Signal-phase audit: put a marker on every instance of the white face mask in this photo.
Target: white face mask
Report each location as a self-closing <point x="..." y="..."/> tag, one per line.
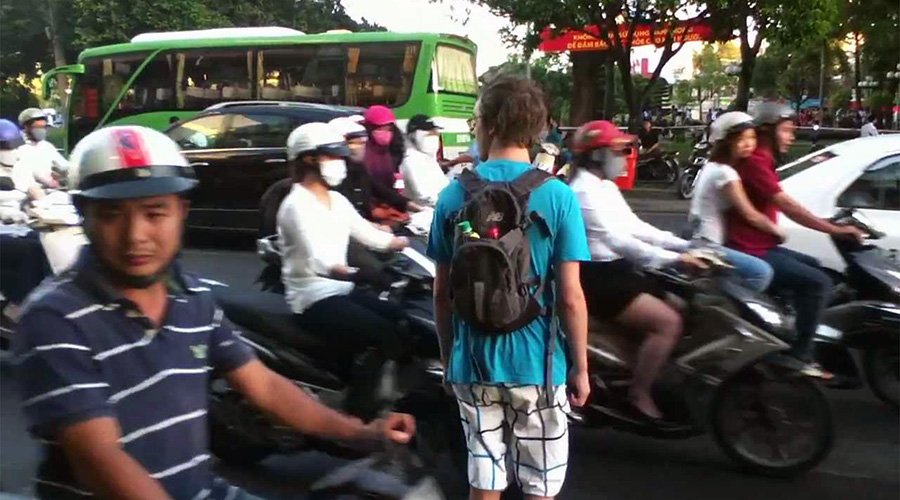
<point x="427" y="143"/>
<point x="333" y="171"/>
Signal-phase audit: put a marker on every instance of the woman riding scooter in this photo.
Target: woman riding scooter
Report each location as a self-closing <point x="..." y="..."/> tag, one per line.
<point x="620" y="244"/>
<point x="315" y="225"/>
<point x="719" y="190"/>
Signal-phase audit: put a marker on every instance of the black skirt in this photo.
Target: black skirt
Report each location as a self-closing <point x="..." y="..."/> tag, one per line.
<point x="609" y="287"/>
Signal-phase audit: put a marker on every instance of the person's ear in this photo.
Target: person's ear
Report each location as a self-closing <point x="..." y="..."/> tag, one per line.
<point x="185" y="204"/>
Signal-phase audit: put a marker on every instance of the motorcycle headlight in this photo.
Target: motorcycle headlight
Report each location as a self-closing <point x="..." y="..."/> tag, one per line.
<point x="769" y="316"/>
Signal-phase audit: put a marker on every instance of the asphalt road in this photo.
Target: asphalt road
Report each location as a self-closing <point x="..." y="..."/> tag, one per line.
<point x="864" y="465"/>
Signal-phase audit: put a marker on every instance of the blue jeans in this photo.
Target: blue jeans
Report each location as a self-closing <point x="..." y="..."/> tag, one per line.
<point x="810" y="286"/>
<point x="754" y="272"/>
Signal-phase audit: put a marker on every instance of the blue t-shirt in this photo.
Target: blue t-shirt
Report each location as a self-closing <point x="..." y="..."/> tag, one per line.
<point x="518" y="357"/>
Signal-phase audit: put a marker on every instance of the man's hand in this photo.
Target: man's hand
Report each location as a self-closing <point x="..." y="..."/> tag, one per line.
<point x="691" y="263"/>
<point x="395" y="427"/>
<point x="414" y="207"/>
<point x="853" y="232"/>
<point x="579" y="388"/>
<point x="399" y="243"/>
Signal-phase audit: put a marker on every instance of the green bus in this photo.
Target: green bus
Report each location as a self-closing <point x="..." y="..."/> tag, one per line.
<point x="161" y="77"/>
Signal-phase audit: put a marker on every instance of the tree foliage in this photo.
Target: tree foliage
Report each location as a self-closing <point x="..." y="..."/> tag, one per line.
<point x="553" y="77"/>
<point x="606" y="15"/>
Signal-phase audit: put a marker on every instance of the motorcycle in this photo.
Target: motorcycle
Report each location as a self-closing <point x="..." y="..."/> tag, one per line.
<point x="698" y="158"/>
<point x="863" y="317"/>
<point x="663" y="167"/>
<point x="726" y="376"/>
<point x="241" y="435"/>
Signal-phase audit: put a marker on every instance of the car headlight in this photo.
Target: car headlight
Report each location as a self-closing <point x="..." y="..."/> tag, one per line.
<point x="767" y="314"/>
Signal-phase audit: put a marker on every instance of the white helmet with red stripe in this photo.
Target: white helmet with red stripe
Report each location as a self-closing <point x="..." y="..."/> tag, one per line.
<point x="129" y="162"/>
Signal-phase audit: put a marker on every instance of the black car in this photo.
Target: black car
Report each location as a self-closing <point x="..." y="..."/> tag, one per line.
<point x="238" y="150"/>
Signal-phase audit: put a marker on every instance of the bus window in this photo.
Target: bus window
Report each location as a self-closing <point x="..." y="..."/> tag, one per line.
<point x="455" y="70"/>
<point x="208" y="77"/>
<point x="380" y="73"/>
<point x="303" y="73"/>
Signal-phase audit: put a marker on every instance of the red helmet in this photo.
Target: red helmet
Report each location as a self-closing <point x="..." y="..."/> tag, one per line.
<point x="598" y="134"/>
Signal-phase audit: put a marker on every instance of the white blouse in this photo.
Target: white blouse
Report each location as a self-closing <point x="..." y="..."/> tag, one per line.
<point x="314" y="240"/>
<point x="615" y="232"/>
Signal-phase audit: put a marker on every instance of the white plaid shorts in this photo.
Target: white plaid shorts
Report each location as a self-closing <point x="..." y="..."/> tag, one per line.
<point x="512" y="431"/>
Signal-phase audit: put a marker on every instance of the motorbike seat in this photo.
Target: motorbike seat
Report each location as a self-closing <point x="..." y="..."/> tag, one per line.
<point x="266" y="314"/>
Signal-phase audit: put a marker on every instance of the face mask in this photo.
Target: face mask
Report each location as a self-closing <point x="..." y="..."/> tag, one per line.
<point x="38" y="134"/>
<point x="427" y="143"/>
<point x="382" y="137"/>
<point x="613" y="165"/>
<point x="333" y="171"/>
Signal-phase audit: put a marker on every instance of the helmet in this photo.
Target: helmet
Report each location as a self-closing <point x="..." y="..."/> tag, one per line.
<point x="348" y="128"/>
<point x="729" y="123"/>
<point x="316" y="138"/>
<point x="31" y="114"/>
<point x="772" y="113"/>
<point x="378" y="116"/>
<point x="421" y="122"/>
<point x="598" y="134"/>
<point x="10" y="135"/>
<point x="129" y="162"/>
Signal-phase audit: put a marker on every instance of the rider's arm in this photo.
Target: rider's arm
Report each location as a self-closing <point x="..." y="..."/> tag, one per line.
<point x="66" y="399"/>
<point x="799" y="214"/>
<point x="288" y="404"/>
<point x="387" y="194"/>
<point x="442" y="313"/>
<point x="609" y="219"/>
<point x="99" y="462"/>
<point x="363" y="231"/>
<point x="734" y="190"/>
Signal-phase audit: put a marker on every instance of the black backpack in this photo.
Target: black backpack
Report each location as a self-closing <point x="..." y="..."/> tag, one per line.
<point x="491" y="284"/>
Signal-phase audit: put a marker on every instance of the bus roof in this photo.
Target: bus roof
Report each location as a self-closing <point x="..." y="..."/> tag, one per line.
<point x="260" y="37"/>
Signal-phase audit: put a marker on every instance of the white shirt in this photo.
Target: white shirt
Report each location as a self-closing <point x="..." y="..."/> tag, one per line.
<point x="314" y="240"/>
<point x="37" y="160"/>
<point x="615" y="232"/>
<point x="423" y="179"/>
<point x="868" y="130"/>
<point x="710" y="203"/>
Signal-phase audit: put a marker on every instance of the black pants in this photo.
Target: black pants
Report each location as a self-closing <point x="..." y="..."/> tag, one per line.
<point x="23" y="266"/>
<point x="373" y="330"/>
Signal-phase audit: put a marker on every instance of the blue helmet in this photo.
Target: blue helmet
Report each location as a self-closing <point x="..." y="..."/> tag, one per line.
<point x="10" y="135"/>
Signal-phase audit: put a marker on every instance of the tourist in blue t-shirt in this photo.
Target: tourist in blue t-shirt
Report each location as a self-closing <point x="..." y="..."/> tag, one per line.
<point x="500" y="380"/>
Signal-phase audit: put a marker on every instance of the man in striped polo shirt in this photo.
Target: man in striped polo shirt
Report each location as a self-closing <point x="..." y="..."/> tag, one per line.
<point x="115" y="355"/>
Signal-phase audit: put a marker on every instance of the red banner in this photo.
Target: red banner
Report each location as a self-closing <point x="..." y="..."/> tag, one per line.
<point x="590" y="39"/>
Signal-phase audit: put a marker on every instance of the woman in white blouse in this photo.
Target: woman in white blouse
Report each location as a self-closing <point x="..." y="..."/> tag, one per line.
<point x="315" y="225"/>
<point x="620" y="244"/>
<point x="719" y="191"/>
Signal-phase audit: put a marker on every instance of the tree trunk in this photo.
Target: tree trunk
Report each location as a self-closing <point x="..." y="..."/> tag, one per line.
<point x="59" y="54"/>
<point x="742" y="100"/>
<point x="609" y="94"/>
<point x="585" y="75"/>
<point x="856" y="71"/>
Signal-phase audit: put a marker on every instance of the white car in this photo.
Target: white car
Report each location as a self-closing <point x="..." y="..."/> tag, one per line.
<point x="861" y="173"/>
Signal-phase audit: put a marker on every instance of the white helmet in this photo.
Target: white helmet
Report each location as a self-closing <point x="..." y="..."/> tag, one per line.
<point x="729" y="123"/>
<point x="129" y="162"/>
<point x="29" y="115"/>
<point x="316" y="138"/>
<point x="350" y="129"/>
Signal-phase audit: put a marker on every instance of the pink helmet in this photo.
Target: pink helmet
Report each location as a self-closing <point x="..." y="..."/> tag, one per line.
<point x="378" y="116"/>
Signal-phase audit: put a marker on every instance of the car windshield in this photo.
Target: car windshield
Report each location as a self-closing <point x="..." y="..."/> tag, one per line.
<point x="803" y="164"/>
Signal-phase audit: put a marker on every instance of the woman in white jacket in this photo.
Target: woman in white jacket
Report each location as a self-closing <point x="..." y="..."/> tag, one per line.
<point x="620" y="243"/>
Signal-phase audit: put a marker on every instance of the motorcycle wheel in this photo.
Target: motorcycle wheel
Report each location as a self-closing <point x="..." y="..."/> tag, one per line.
<point x="670" y="174"/>
<point x="881" y="365"/>
<point x="772" y="422"/>
<point x="686" y="184"/>
<point x="234" y="432"/>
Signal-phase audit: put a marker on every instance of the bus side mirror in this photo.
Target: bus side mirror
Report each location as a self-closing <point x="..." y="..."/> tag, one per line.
<point x="50" y="76"/>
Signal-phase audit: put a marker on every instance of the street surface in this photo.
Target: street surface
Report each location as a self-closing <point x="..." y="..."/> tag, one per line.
<point x="864" y="465"/>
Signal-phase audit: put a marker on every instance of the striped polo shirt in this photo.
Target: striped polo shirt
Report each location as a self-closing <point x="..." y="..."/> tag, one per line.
<point x="85" y="351"/>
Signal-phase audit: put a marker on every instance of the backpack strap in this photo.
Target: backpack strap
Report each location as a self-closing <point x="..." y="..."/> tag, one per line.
<point x="471" y="181"/>
<point x="532" y="179"/>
